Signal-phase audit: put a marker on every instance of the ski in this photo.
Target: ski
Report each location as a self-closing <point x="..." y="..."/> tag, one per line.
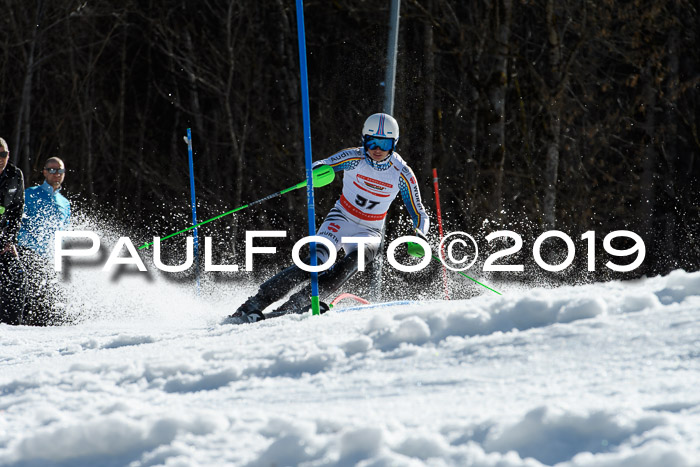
<point x="233" y="319"/>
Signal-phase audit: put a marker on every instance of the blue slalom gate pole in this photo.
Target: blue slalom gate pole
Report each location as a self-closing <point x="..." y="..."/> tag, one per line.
<point x="301" y="33"/>
<point x="194" y="207"/>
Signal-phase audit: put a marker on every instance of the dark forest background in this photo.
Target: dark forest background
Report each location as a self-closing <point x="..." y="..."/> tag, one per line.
<point x="572" y="115"/>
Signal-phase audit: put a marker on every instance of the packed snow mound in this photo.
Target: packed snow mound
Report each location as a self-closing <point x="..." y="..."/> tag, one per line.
<point x="422" y="322"/>
<point x="596" y="375"/>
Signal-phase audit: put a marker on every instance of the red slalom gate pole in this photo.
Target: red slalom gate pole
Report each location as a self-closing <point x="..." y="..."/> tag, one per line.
<point x="439" y="216"/>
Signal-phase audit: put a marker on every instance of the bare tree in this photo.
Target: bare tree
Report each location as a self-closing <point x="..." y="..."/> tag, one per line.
<point x="497" y="88"/>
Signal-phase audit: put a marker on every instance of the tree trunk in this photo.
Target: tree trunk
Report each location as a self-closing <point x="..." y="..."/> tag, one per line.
<point x="497" y="97"/>
<point x="23" y="131"/>
<point x="122" y="105"/>
<point x="670" y="143"/>
<point x="554" y="119"/>
<point x="428" y="93"/>
<point x="237" y="155"/>
<point x="194" y="97"/>
<point x="83" y="101"/>
<point x="648" y="195"/>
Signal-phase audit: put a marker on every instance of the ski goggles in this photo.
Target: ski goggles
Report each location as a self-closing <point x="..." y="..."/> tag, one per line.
<point x="374" y="142"/>
<point x="56" y="171"/>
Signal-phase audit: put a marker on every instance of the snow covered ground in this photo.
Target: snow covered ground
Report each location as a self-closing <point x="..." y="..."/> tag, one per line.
<point x="598" y="375"/>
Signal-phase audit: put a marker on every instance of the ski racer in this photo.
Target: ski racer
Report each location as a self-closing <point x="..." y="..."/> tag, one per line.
<point x="373" y="175"/>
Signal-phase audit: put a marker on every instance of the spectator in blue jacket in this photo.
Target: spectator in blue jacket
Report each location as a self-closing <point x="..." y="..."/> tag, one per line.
<point x="46" y="210"/>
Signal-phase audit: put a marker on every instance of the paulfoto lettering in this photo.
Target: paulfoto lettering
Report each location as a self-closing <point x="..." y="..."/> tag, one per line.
<point x="454" y="244"/>
<point x="115" y="258"/>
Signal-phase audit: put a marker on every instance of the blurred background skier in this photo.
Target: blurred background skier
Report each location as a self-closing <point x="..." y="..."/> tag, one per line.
<point x="374" y="174"/>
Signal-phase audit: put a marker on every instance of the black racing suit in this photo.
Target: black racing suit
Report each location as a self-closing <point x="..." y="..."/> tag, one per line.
<point x="12" y="283"/>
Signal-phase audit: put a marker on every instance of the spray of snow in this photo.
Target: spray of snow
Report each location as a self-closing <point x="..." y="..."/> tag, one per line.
<point x="593" y="375"/>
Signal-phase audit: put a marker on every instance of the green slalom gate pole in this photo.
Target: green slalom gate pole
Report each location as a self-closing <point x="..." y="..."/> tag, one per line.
<point x="322" y="176"/>
<point x="416" y="250"/>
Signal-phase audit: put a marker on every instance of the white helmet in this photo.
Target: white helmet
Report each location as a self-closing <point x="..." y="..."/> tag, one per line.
<point x="381" y="125"/>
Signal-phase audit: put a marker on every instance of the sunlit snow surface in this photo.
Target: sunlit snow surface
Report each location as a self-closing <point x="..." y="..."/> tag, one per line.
<point x="596" y="375"/>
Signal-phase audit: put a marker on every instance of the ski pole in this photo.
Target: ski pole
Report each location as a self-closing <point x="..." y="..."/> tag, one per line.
<point x="416" y="250"/>
<point x="322" y="175"/>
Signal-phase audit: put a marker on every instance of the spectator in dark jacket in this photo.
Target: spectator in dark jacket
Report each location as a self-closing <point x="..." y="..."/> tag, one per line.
<point x="11" y="208"/>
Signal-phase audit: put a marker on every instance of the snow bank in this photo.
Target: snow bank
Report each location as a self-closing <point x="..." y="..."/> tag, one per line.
<point x="423" y="322"/>
<point x="552" y="438"/>
<point x="111" y="439"/>
<point x="541" y="437"/>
